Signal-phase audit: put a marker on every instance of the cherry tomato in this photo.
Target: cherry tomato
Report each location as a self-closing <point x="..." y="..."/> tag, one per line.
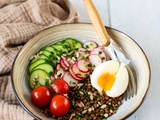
<point x="60" y="86"/>
<point x="60" y="105"/>
<point x="41" y="96"/>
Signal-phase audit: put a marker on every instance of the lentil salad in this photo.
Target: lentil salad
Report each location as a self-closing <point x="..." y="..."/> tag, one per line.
<point x="86" y="102"/>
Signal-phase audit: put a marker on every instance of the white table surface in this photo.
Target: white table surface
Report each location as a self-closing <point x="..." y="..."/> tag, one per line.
<point x="140" y="19"/>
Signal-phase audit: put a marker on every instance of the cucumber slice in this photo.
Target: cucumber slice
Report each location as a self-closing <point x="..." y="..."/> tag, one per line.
<point x="54" y="62"/>
<point x="37" y="78"/>
<point x="40" y="57"/>
<point x="63" y="43"/>
<point x="74" y="44"/>
<point x="52" y="50"/>
<point x="50" y="56"/>
<point x="62" y="49"/>
<point x="37" y="62"/>
<point x="47" y="53"/>
<point x="48" y="68"/>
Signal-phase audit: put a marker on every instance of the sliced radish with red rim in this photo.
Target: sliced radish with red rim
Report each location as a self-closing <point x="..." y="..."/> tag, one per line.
<point x="73" y="75"/>
<point x="90" y="45"/>
<point x="99" y="52"/>
<point x="63" y="64"/>
<point x="66" y="62"/>
<point x="79" y="73"/>
<point x="98" y="48"/>
<point x="83" y="65"/>
<point x="80" y="55"/>
<point x="59" y="67"/>
<point x="95" y="60"/>
<point x="70" y="80"/>
<point x="82" y="49"/>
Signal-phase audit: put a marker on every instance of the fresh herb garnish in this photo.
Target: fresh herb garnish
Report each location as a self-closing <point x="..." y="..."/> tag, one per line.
<point x="87" y="46"/>
<point x="99" y="95"/>
<point x="88" y="98"/>
<point x="104" y="119"/>
<point x="77" y="116"/>
<point x="103" y="58"/>
<point x="100" y="52"/>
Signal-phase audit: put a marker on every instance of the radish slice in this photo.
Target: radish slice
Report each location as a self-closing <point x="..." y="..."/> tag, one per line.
<point x="82" y="49"/>
<point x="98" y="48"/>
<point x="107" y="56"/>
<point x="95" y="60"/>
<point x="66" y="63"/>
<point x="78" y="73"/>
<point x="63" y="65"/>
<point x="100" y="53"/>
<point x="83" y="65"/>
<point x="70" y="61"/>
<point x="70" y="80"/>
<point x="80" y="55"/>
<point x="59" y="67"/>
<point x="73" y="75"/>
<point x="90" y="45"/>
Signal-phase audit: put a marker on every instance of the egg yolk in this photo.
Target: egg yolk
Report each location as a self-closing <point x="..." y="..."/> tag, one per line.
<point x="106" y="81"/>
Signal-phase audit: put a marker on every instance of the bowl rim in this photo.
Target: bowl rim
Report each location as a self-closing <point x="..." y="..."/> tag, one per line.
<point x="82" y="23"/>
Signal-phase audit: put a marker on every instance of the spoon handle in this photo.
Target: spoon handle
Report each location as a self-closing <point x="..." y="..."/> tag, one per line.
<point x="97" y="22"/>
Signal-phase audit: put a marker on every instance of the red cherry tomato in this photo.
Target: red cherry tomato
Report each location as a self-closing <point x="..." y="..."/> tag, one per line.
<point x="60" y="86"/>
<point x="41" y="96"/>
<point x="60" y="105"/>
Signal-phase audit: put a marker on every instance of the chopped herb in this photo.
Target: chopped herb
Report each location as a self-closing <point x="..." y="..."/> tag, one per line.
<point x="77" y="116"/>
<point x="85" y="81"/>
<point x="87" y="46"/>
<point x="88" y="98"/>
<point x="89" y="118"/>
<point x="82" y="90"/>
<point x="72" y="83"/>
<point x="104" y="119"/>
<point x="103" y="58"/>
<point x="89" y="65"/>
<point x="109" y="106"/>
<point x="100" y="52"/>
<point x="91" y="44"/>
<point x="98" y="96"/>
<point x="90" y="105"/>
<point x="116" y="108"/>
<point x="78" y="74"/>
<point x="75" y="96"/>
<point x="83" y="58"/>
<point x="82" y="116"/>
<point x="87" y="57"/>
<point x="102" y="112"/>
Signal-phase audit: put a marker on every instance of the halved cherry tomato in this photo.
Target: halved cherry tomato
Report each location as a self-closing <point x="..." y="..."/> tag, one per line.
<point x="60" y="86"/>
<point x="41" y="96"/>
<point x="60" y="105"/>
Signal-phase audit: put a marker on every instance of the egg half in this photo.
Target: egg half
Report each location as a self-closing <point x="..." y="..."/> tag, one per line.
<point x="110" y="77"/>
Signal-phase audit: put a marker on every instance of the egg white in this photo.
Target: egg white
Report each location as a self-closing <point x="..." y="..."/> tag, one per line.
<point x="121" y="82"/>
<point x="115" y="68"/>
<point x="110" y="66"/>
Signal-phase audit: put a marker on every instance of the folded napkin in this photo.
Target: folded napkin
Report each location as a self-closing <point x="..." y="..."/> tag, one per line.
<point x="19" y="21"/>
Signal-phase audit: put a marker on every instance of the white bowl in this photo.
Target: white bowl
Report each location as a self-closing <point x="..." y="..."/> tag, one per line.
<point x="82" y="32"/>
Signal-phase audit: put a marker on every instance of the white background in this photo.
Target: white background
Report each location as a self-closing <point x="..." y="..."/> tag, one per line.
<point x="140" y="19"/>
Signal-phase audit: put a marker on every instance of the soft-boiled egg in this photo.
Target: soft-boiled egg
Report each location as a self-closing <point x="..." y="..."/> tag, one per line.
<point x="110" y="77"/>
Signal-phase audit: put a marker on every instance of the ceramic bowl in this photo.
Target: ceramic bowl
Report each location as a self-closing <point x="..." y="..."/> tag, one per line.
<point x="81" y="32"/>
